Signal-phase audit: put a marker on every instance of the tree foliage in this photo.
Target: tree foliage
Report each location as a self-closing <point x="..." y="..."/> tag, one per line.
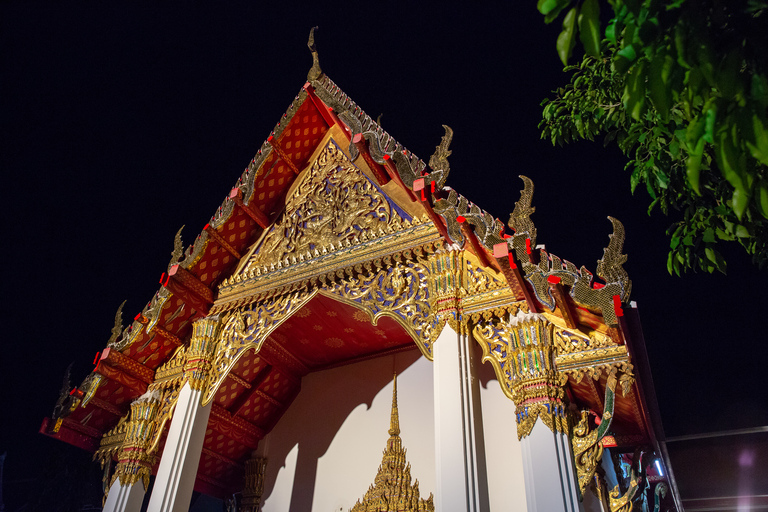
<point x="682" y="87"/>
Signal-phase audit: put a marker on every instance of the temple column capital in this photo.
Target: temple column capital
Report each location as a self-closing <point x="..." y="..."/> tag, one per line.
<point x="522" y="352"/>
<point x="202" y="347"/>
<point x="134" y="460"/>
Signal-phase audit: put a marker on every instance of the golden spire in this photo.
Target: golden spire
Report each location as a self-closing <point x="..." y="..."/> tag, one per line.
<point x="394" y="420"/>
<point x="392" y="488"/>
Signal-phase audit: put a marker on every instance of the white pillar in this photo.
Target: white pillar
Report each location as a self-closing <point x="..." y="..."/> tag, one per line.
<point x="176" y="475"/>
<point x="125" y="498"/>
<point x="550" y="476"/>
<point x="459" y="447"/>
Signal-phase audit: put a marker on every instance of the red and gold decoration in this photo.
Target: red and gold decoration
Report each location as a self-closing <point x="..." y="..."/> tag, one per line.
<point x="335" y="245"/>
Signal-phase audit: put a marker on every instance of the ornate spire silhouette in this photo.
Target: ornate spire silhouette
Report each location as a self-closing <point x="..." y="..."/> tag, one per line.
<point x="394" y="420"/>
<point x="392" y="489"/>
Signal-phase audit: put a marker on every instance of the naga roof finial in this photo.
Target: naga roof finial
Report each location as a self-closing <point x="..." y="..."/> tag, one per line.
<point x="394" y="420"/>
<point x="118" y="328"/>
<point x="314" y="72"/>
<point x="609" y="267"/>
<point x="520" y="218"/>
<point x="178" y="248"/>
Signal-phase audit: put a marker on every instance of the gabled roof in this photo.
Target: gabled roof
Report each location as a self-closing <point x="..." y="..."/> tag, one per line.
<point x="210" y="276"/>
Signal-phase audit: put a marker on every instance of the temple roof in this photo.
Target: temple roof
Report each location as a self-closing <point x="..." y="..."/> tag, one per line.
<point x="224" y="269"/>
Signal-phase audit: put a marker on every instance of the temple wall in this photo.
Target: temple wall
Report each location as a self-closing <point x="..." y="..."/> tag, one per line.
<point x="325" y="451"/>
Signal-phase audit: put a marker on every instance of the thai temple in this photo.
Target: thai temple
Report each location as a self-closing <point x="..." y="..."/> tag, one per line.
<point x="261" y="371"/>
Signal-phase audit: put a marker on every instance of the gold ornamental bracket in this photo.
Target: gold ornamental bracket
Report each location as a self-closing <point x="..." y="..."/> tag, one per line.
<point x="521" y="351"/>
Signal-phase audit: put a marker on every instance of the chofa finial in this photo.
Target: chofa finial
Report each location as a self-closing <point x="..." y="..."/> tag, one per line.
<point x="520" y="218"/>
<point x="178" y="248"/>
<point x="314" y="72"/>
<point x="118" y="327"/>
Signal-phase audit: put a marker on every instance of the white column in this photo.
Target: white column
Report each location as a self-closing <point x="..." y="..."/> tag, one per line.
<point x="550" y="476"/>
<point x="125" y="498"/>
<point x="175" y="478"/>
<point x="459" y="447"/>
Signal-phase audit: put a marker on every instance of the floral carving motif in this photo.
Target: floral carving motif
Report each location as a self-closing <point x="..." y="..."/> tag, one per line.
<point x="398" y="291"/>
<point x="333" y="204"/>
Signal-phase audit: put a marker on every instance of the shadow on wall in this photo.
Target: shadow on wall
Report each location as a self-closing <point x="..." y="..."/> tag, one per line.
<point x="323" y="414"/>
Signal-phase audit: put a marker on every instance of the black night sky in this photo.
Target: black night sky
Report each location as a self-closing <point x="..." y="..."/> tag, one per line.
<point x="121" y="122"/>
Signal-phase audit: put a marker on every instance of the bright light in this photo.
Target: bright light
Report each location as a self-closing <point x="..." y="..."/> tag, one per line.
<point x="658" y="467"/>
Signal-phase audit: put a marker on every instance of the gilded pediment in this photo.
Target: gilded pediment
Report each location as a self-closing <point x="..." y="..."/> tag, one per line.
<point x="335" y="204"/>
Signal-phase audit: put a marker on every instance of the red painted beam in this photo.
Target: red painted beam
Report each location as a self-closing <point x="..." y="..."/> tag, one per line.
<point x="119" y="361"/>
<point x="282" y="154"/>
<point x="513" y="276"/>
<point x="479" y="251"/>
<point x="241" y="400"/>
<point x="70" y="436"/>
<point x="326" y="113"/>
<point x="426" y="200"/>
<point x="235" y="428"/>
<point x="561" y="300"/>
<point x="253" y="212"/>
<point x="222" y="243"/>
<point x="138" y="386"/>
<point x="190" y="289"/>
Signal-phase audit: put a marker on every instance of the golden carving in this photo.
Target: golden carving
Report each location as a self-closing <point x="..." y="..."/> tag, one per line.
<point x="334" y="203"/>
<point x="201" y="350"/>
<point x="521" y="352"/>
<point x="623" y="503"/>
<point x="520" y="218"/>
<point x="246" y="329"/>
<point x="172" y="371"/>
<point x="609" y="267"/>
<point x="254" y="484"/>
<point x="178" y="248"/>
<point x="439" y="160"/>
<point x="391" y="489"/>
<point x="134" y="460"/>
<point x="314" y="72"/>
<point x="168" y="400"/>
<point x="400" y="291"/>
<point x="117" y="328"/>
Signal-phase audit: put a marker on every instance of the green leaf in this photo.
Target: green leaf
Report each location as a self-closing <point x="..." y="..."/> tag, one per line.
<point x="624" y="59"/>
<point x="567" y="38"/>
<point x="740" y="201"/>
<point x="715" y="257"/>
<point x="551" y="9"/>
<point x="589" y="27"/>
<point x="693" y="165"/>
<point x="762" y="199"/>
<point x="756" y="138"/>
<point x="658" y="83"/>
<point x="634" y="91"/>
<point x="742" y="231"/>
<point x="759" y="89"/>
<point x="709" y="235"/>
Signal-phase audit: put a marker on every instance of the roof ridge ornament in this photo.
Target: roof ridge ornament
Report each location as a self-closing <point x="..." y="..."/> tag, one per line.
<point x="438" y="162"/>
<point x="609" y="267"/>
<point x="178" y="248"/>
<point x="314" y="72"/>
<point x="118" y="327"/>
<point x="520" y="218"/>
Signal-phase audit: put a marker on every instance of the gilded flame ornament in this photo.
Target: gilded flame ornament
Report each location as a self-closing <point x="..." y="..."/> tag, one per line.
<point x="391" y="490"/>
